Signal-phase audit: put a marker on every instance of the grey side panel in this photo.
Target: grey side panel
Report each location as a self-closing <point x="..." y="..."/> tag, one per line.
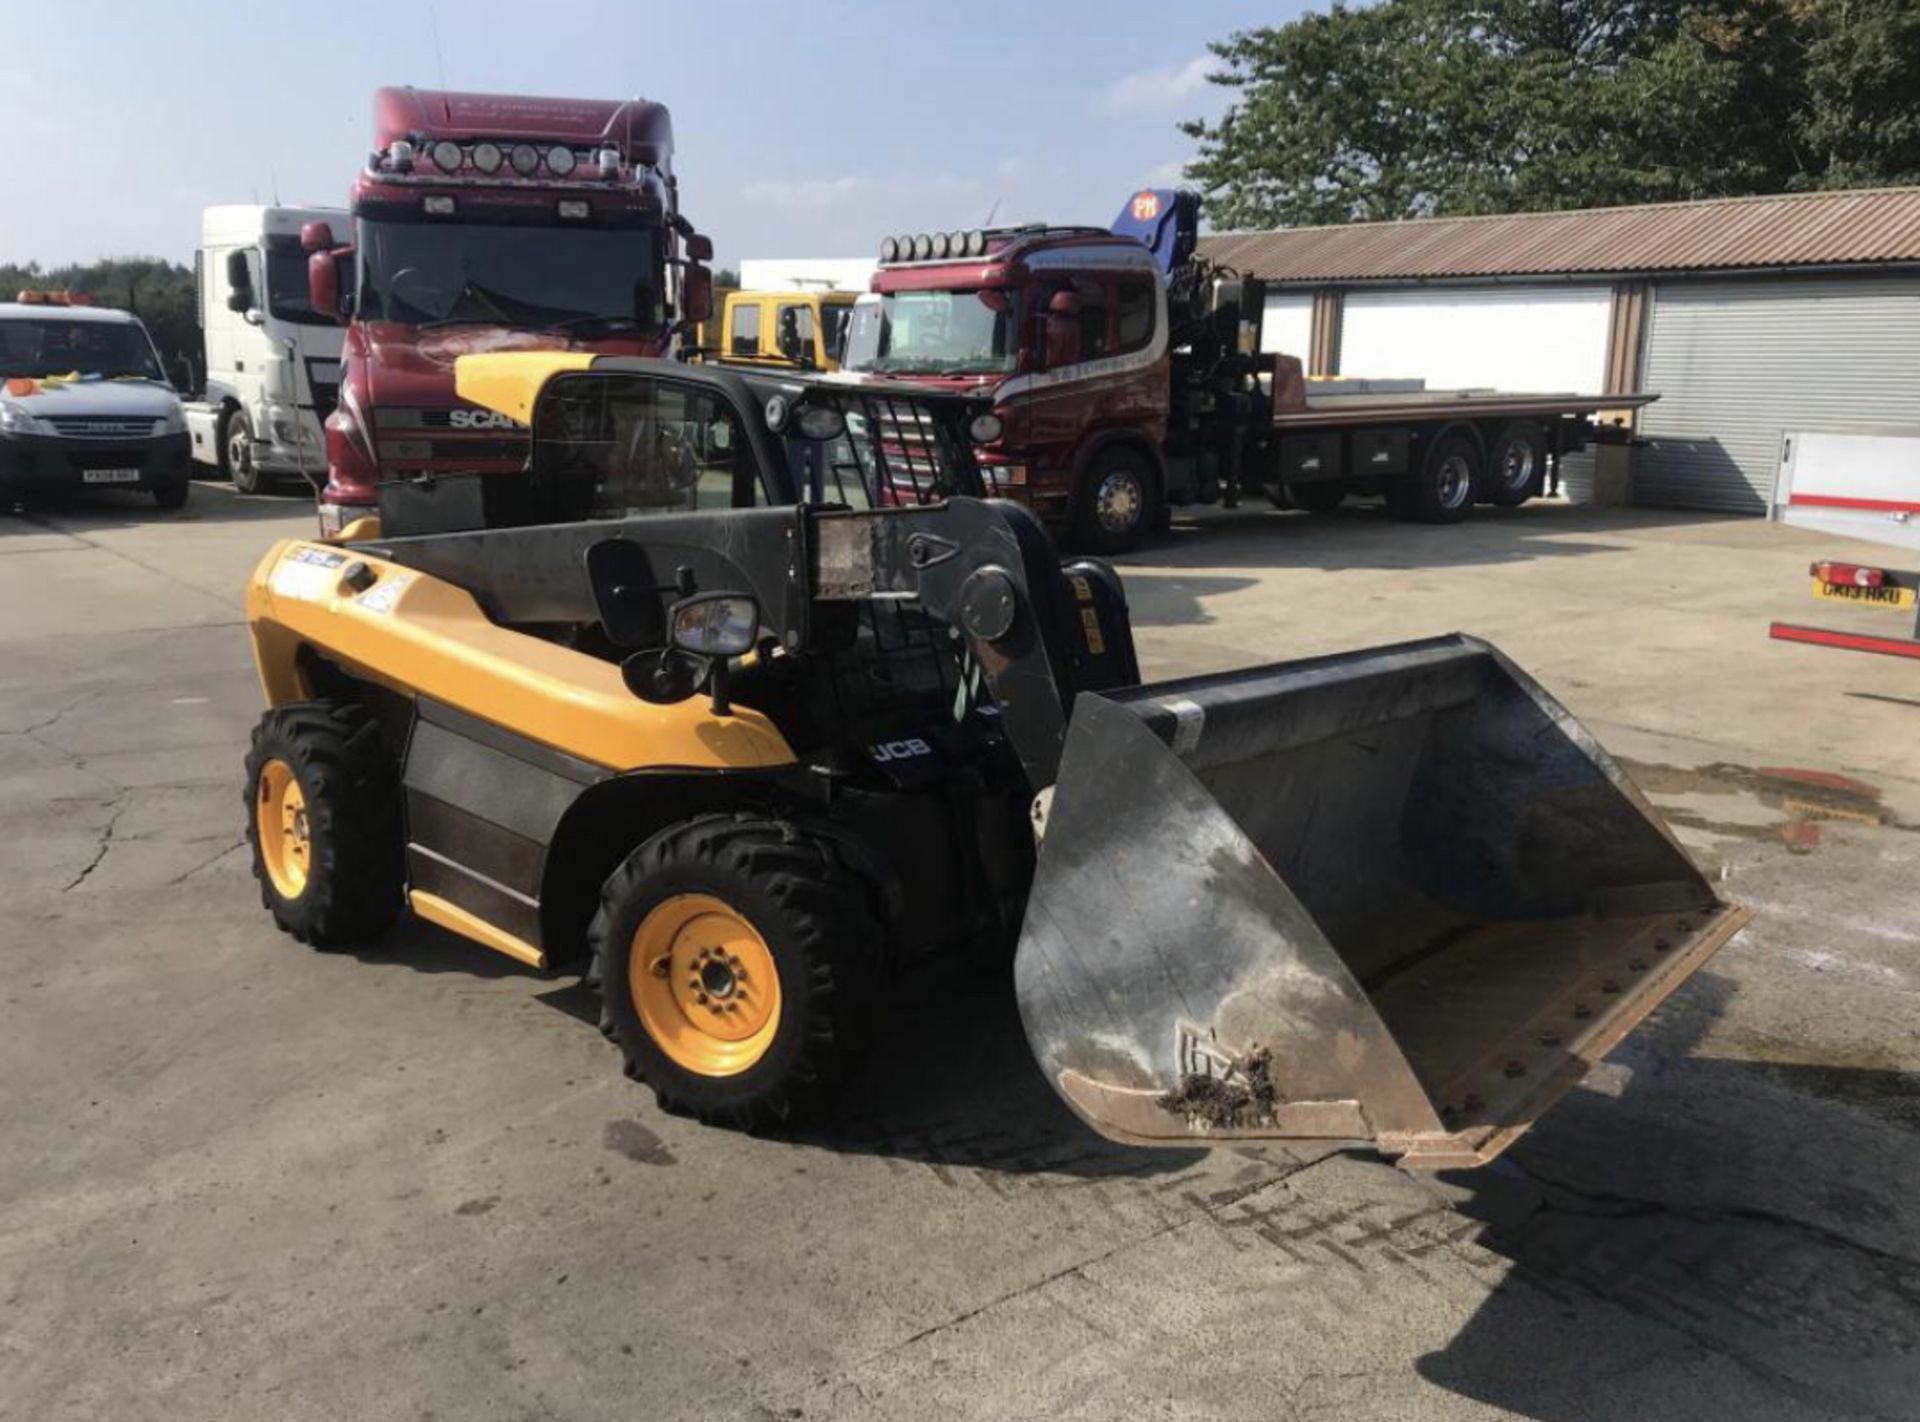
<point x="482" y="807"/>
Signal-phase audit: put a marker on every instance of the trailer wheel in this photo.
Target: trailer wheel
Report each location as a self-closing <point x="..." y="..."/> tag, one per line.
<point x="738" y="959"/>
<point x="236" y="453"/>
<point x="1321" y="496"/>
<point x="1443" y="490"/>
<point x="1115" y="501"/>
<point x="1517" y="466"/>
<point x="323" y="822"/>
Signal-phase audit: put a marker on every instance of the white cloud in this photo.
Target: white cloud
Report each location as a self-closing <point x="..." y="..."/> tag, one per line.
<point x="1160" y="90"/>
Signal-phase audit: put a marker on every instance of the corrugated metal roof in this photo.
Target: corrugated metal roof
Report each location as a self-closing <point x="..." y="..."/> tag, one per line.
<point x="1721" y="234"/>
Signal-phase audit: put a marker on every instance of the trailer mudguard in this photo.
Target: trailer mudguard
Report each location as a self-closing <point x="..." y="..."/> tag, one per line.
<point x="1396" y="896"/>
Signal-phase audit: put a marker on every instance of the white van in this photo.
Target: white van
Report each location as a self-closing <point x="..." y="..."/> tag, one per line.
<point x="273" y="362"/>
<point x="84" y="402"/>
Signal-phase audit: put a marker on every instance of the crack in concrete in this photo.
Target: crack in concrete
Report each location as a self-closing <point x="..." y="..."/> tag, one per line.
<point x="222" y="853"/>
<point x="119" y="803"/>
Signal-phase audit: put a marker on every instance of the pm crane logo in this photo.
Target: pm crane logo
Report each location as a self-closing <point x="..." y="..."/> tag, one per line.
<point x="1146" y="206"/>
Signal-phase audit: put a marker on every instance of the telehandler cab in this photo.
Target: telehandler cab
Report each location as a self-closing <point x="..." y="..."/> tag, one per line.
<point x="701" y="699"/>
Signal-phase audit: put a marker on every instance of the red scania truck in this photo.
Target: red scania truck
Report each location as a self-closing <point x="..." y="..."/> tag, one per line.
<point x="1126" y="375"/>
<point x="487" y="222"/>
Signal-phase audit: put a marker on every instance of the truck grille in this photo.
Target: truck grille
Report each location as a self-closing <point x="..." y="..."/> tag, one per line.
<point x="101" y="427"/>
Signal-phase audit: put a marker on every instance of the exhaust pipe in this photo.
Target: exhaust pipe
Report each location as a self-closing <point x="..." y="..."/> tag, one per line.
<point x="1396" y="896"/>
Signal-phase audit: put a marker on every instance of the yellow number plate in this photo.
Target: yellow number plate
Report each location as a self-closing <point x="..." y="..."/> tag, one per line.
<point x="1894" y="598"/>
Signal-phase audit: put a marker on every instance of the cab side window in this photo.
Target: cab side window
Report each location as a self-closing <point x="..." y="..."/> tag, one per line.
<point x="795" y="325"/>
<point x="612" y="448"/>
<point x="744" y="333"/>
<point x="1096" y="318"/>
<point x="1133" y="314"/>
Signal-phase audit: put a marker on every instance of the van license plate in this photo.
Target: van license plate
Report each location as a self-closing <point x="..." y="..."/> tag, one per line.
<point x="1898" y="599"/>
<point x="110" y="476"/>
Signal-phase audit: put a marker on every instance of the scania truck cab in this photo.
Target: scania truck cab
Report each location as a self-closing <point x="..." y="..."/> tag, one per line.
<point x="490" y="222"/>
<point x="84" y="402"/>
<point x="273" y="361"/>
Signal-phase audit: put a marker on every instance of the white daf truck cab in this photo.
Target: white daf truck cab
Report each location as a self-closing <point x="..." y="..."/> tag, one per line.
<point x="273" y="362"/>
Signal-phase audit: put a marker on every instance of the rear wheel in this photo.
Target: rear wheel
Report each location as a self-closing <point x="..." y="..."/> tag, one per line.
<point x="1321" y="496"/>
<point x="236" y="453"/>
<point x="323" y="822"/>
<point x="1115" y="501"/>
<point x="738" y="960"/>
<point x="1443" y="490"/>
<point x="1517" y="464"/>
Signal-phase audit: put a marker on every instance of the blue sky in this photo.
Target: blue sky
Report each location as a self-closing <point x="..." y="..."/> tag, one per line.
<point x="803" y="129"/>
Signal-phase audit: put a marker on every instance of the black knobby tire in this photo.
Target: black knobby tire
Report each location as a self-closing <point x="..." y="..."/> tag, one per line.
<point x="171" y="493"/>
<point x="1321" y="496"/>
<point x="1449" y="479"/>
<point x="812" y="913"/>
<point x="1116" y="501"/>
<point x="351" y="787"/>
<point x="237" y="463"/>
<point x="1516" y="464"/>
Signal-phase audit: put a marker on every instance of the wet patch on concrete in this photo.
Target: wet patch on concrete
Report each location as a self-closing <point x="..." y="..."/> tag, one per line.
<point x="477" y="1207"/>
<point x="636" y="1142"/>
<point x="1767" y="805"/>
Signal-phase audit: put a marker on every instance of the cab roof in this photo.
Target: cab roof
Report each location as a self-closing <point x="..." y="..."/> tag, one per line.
<point x="44" y="311"/>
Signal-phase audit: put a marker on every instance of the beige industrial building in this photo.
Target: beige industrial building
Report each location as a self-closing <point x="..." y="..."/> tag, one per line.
<point x="1747" y="316"/>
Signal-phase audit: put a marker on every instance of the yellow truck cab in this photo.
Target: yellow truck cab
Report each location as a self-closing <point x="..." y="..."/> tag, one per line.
<point x="804" y="330"/>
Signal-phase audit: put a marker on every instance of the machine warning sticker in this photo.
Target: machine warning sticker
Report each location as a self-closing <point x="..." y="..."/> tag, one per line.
<point x="307" y="572"/>
<point x="383" y="595"/>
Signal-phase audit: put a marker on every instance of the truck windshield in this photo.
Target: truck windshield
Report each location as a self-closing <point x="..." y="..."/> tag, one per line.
<point x="49" y="346"/>
<point x="287" y="298"/>
<point x="936" y="332"/>
<point x="584" y="280"/>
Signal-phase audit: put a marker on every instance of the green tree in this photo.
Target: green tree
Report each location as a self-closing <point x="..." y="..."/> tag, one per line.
<point x="1417" y="107"/>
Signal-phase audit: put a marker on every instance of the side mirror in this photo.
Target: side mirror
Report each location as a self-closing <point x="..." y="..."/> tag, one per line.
<point x="699" y="247"/>
<point x="239" y="282"/>
<point x="323" y="281"/>
<point x="316" y="237"/>
<point x="662" y="676"/>
<point x="720" y="624"/>
<point x="696" y="293"/>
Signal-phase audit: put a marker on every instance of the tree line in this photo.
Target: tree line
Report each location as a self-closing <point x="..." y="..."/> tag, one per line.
<point x="159" y="292"/>
<point x="1414" y="108"/>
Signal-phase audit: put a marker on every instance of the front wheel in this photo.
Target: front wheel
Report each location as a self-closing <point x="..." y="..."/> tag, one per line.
<point x="323" y="822"/>
<point x="738" y="962"/>
<point x="1115" y="501"/>
<point x="236" y="454"/>
<point x="172" y="493"/>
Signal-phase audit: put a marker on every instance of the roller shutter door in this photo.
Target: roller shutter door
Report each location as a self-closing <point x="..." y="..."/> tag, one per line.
<point x="1521" y="338"/>
<point x="1735" y="363"/>
<point x="1287" y="325"/>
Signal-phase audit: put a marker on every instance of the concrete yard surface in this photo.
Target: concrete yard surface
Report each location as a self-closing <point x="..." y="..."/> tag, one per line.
<point x="245" y="1180"/>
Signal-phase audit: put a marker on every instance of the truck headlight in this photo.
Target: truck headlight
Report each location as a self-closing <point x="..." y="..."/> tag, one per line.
<point x="16" y="421"/>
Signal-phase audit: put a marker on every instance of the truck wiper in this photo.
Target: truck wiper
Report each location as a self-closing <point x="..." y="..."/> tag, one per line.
<point x="606" y="324"/>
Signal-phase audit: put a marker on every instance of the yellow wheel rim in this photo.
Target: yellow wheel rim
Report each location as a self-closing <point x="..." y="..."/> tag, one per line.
<point x="705" y="985"/>
<point x="280" y="821"/>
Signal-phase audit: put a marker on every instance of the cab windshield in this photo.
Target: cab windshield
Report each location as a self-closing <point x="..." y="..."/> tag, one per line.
<point x="585" y="281"/>
<point x="936" y="333"/>
<point x="41" y="346"/>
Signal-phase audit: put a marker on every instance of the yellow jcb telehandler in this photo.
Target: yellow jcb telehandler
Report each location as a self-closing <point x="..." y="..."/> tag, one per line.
<point x="738" y="696"/>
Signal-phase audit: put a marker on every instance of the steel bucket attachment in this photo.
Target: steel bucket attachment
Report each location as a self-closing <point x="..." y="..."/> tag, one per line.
<point x="1397" y="896"/>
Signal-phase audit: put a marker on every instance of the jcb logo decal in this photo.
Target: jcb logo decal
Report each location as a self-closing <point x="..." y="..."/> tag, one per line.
<point x="901" y="750"/>
<point x="481" y="420"/>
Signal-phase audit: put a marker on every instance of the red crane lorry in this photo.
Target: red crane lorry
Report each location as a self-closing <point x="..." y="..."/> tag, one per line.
<point x="1126" y="375"/>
